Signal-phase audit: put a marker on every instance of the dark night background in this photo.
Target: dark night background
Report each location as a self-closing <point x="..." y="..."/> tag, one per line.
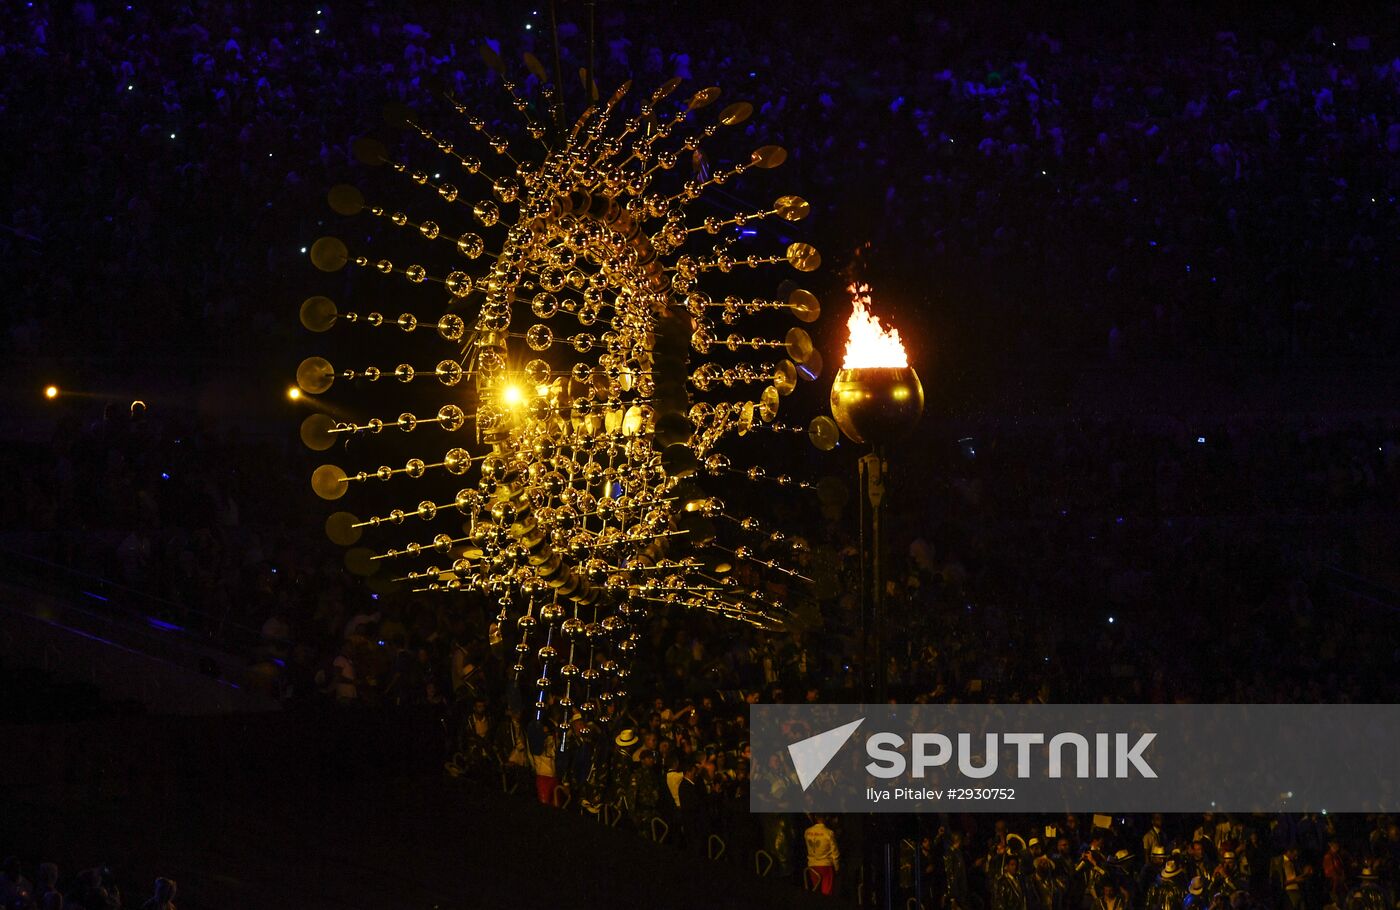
<point x="1144" y="259"/>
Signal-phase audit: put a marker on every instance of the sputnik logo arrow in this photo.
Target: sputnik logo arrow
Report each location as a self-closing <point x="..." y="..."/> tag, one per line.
<point x="811" y="755"/>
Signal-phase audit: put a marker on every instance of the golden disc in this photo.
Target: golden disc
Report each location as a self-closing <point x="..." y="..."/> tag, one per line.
<point x="345" y="199"/>
<point x="371" y="151"/>
<point x="633" y="420"/>
<point x="329" y="482"/>
<point x="316" y="432"/>
<point x="589" y="85"/>
<point x="565" y="583"/>
<point x="785" y="377"/>
<point x="621" y="92"/>
<point x="315" y="375"/>
<point x="823" y="433"/>
<point x="666" y="88"/>
<point x="804" y="305"/>
<point x="547" y="566"/>
<point x="792" y="208"/>
<point x="318" y="313"/>
<point x="536" y="68"/>
<point x="360" y="561"/>
<point x="811" y="368"/>
<point x="798" y="344"/>
<point x="770" y="156"/>
<point x="745" y="422"/>
<point x="329" y="254"/>
<point x="340" y="528"/>
<point x="735" y="113"/>
<point x="703" y="98"/>
<point x="804" y="257"/>
<point x="492" y="58"/>
<point x="531" y="535"/>
<point x="544" y="560"/>
<point x="768" y="404"/>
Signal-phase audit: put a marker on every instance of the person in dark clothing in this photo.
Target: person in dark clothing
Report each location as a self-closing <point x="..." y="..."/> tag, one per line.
<point x="644" y="791"/>
<point x="957" y="895"/>
<point x="1368" y="893"/>
<point x="164" y="896"/>
<point x="692" y="814"/>
<point x="1009" y="893"/>
<point x="1111" y="896"/>
<point x="46" y="883"/>
<point x="91" y="894"/>
<point x="1228" y="878"/>
<point x="15" y="889"/>
<point x="1047" y="889"/>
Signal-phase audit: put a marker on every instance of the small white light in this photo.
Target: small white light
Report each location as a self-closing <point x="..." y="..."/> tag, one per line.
<point x="172" y="135"/>
<point x="303" y="249"/>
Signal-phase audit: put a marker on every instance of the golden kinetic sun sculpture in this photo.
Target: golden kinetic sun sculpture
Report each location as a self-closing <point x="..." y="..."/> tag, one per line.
<point x="577" y="358"/>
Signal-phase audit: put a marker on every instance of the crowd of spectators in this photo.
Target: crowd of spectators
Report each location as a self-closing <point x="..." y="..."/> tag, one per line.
<point x="97" y="888"/>
<point x="678" y="773"/>
<point x="1047" y="182"/>
<point x="1071" y="545"/>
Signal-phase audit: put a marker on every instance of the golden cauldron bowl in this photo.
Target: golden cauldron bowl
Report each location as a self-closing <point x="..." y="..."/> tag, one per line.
<point x="877" y="405"/>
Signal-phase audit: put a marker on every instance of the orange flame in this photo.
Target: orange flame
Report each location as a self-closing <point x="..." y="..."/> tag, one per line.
<point x="870" y="344"/>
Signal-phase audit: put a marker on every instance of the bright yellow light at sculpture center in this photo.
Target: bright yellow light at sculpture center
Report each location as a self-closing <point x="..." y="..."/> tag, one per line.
<point x="512" y="395"/>
<point x="294" y="393"/>
<point x="870" y="343"/>
<point x="51" y="391"/>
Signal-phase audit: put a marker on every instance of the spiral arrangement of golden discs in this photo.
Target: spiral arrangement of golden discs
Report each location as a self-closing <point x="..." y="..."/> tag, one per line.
<point x="583" y="379"/>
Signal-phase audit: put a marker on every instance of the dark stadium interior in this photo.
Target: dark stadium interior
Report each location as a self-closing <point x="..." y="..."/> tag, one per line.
<point x="1146" y="261"/>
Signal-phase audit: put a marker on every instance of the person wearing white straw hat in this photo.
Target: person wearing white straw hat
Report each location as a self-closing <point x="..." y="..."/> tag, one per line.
<point x="1369" y="892"/>
<point x="1166" y="893"/>
<point x="1196" y="898"/>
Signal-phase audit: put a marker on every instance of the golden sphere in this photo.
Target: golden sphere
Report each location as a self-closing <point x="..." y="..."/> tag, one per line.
<point x="877" y="405"/>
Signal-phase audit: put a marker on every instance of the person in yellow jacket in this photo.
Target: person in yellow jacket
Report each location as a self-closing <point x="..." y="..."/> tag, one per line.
<point x="823" y="856"/>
